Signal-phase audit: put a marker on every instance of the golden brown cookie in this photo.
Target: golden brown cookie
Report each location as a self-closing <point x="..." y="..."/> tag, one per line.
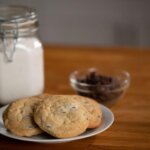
<point x="18" y="117"/>
<point x="95" y="113"/>
<point x="61" y="117"/>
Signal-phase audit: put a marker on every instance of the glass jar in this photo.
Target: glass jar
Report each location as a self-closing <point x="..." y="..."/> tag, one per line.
<point x="21" y="54"/>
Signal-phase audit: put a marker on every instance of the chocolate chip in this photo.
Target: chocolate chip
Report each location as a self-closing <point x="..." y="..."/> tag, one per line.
<point x="48" y="126"/>
<point x="73" y="107"/>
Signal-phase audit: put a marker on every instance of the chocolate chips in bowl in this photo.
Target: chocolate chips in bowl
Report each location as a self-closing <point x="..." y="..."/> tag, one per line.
<point x="104" y="87"/>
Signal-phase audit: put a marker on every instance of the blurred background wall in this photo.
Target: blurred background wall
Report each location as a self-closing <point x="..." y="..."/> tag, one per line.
<point x="92" y="22"/>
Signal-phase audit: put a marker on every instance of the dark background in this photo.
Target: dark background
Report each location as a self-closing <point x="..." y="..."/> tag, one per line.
<point x="92" y="22"/>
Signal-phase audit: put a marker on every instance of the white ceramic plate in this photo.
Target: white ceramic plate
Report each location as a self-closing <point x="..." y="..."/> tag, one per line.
<point x="107" y="121"/>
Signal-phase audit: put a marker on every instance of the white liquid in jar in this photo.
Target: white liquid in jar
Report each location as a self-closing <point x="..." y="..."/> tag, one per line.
<point x="24" y="76"/>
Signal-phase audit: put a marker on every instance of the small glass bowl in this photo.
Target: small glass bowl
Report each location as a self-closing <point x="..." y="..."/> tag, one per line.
<point x="107" y="93"/>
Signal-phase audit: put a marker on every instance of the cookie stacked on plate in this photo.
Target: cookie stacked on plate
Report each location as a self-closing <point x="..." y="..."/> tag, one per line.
<point x="61" y="116"/>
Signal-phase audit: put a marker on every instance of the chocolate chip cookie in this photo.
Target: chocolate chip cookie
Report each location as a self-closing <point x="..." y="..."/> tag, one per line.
<point x="61" y="116"/>
<point x="18" y="117"/>
<point x="94" y="111"/>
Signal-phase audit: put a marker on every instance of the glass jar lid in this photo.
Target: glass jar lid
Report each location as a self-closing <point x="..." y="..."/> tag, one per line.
<point x="15" y="21"/>
<point x="14" y="13"/>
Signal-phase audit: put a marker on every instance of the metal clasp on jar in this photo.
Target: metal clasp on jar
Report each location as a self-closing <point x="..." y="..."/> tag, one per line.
<point x="9" y="41"/>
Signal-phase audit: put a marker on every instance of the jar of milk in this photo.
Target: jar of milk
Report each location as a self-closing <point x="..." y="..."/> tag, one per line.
<point x="21" y="54"/>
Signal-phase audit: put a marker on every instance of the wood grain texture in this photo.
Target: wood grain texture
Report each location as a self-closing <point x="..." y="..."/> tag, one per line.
<point x="131" y="129"/>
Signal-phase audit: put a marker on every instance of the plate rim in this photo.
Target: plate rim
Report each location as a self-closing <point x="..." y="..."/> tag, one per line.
<point x="4" y="132"/>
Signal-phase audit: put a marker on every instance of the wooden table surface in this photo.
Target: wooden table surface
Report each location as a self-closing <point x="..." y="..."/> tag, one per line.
<point x="131" y="129"/>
